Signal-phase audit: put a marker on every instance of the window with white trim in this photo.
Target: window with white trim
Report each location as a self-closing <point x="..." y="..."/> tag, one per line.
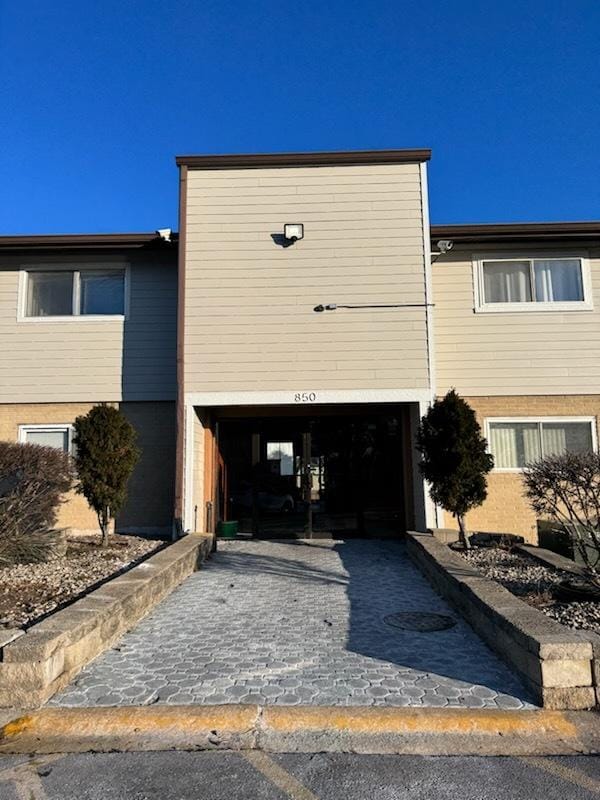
<point x="59" y="436"/>
<point x="66" y="293"/>
<point x="520" y="284"/>
<point x="516" y="442"/>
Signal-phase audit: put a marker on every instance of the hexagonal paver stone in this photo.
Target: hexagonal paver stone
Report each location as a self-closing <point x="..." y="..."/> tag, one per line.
<point x="293" y="622"/>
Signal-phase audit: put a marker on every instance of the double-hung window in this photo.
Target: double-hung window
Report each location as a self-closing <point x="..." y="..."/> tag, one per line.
<point x="531" y="284"/>
<point x="81" y="292"/>
<point x="519" y="441"/>
<point x="59" y="436"/>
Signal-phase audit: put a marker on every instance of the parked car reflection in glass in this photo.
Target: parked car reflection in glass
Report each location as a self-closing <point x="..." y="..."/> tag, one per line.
<point x="267" y="501"/>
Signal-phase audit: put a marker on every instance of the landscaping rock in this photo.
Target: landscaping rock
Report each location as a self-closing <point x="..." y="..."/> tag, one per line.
<point x="536" y="584"/>
<point x="495" y="539"/>
<point x="30" y="591"/>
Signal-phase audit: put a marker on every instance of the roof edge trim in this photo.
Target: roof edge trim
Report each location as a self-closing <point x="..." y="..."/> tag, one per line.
<point x="315" y="159"/>
<point x="81" y="240"/>
<point x="517" y="231"/>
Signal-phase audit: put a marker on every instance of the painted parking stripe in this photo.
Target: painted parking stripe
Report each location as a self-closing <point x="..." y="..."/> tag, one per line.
<point x="26" y="779"/>
<point x="567" y="774"/>
<point x="28" y="786"/>
<point x="278" y="776"/>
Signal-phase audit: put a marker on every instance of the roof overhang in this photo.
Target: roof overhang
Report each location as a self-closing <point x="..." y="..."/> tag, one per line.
<point x="318" y="159"/>
<point x="85" y="241"/>
<point x="518" y="232"/>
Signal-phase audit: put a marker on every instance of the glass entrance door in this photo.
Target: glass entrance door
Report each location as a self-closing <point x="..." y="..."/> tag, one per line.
<point x="356" y="483"/>
<point x="334" y="472"/>
<point x="280" y="500"/>
<point x="267" y="477"/>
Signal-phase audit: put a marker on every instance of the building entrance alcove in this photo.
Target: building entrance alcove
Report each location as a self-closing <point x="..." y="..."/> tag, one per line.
<point x="310" y="472"/>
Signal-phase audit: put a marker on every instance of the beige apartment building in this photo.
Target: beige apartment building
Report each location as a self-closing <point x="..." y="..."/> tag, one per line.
<point x="86" y="320"/>
<point x="277" y="355"/>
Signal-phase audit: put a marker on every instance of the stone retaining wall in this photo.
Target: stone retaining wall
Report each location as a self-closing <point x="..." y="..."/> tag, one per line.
<point x="37" y="663"/>
<point x="555" y="663"/>
<point x="555" y="561"/>
<point x="550" y="559"/>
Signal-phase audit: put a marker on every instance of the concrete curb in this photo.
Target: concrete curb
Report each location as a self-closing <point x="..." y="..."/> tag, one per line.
<point x="303" y="729"/>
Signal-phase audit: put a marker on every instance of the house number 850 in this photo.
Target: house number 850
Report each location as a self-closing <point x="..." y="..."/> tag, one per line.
<point x="305" y="397"/>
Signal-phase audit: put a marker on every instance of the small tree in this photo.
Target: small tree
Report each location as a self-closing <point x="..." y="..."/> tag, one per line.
<point x="33" y="480"/>
<point x="455" y="460"/>
<point x="566" y="489"/>
<point x="106" y="454"/>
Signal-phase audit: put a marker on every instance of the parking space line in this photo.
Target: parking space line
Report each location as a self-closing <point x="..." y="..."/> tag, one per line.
<point x="262" y="762"/>
<point x="25" y="777"/>
<point x="567" y="774"/>
<point x="28" y="784"/>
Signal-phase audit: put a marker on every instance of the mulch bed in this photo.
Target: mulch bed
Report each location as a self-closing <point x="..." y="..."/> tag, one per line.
<point x="534" y="583"/>
<point x="28" y="592"/>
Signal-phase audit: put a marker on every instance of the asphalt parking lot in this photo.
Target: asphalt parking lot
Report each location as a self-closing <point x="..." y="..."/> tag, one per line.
<point x="255" y="775"/>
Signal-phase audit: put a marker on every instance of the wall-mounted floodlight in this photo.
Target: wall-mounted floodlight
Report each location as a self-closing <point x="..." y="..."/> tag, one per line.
<point x="444" y="245"/>
<point x="165" y="234"/>
<point x="293" y="231"/>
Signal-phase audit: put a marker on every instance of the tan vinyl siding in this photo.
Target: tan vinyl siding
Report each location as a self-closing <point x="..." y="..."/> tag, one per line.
<point x="249" y="319"/>
<point x="522" y="353"/>
<point x="87" y="360"/>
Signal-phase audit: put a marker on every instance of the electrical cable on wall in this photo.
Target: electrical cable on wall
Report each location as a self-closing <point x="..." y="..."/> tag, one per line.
<point x="335" y="306"/>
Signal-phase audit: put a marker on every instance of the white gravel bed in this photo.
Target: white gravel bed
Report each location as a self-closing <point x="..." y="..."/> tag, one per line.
<point x="534" y="583"/>
<point x="30" y="591"/>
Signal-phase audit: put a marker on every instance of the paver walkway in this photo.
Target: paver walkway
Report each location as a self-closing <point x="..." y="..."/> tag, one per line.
<point x="292" y="622"/>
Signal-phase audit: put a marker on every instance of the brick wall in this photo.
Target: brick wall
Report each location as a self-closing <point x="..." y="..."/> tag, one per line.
<point x="151" y="490"/>
<point x="74" y="512"/>
<point x="150" y="503"/>
<point x="506" y="509"/>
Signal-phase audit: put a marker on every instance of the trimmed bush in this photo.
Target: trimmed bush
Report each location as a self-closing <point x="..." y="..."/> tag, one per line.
<point x="455" y="460"/>
<point x="105" y="457"/>
<point x="33" y="480"/>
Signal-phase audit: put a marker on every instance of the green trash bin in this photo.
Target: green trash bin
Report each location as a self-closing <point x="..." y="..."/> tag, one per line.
<point x="227" y="530"/>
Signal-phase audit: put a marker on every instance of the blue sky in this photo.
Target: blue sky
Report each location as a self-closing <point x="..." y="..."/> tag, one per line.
<point x="98" y="97"/>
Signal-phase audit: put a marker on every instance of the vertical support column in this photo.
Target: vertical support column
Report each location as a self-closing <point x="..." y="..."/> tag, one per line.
<point x="188" y="457"/>
<point x="307" y="481"/>
<point x="408" y="476"/>
<point x="426" y="512"/>
<point x="255" y="468"/>
<point x="207" y="491"/>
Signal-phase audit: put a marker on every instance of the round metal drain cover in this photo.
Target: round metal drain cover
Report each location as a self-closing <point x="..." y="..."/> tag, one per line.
<point x="422" y="621"/>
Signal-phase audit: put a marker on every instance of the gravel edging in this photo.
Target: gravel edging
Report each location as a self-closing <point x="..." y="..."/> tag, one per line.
<point x="30" y="592"/>
<point x="533" y="578"/>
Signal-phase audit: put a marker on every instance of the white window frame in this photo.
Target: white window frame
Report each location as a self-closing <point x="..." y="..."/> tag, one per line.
<point x="533" y="306"/>
<point x="49" y="426"/>
<point x="76" y="269"/>
<point x="539" y="421"/>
